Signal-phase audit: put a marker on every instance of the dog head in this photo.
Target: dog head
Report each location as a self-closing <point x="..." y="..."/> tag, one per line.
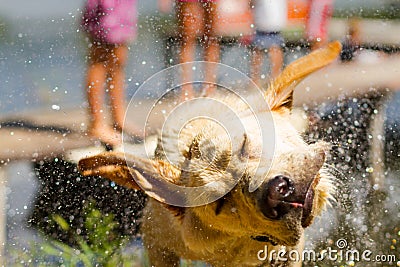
<point x="293" y="189"/>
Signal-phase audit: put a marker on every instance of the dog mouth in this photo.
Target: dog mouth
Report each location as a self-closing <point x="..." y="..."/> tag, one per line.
<point x="281" y="207"/>
<point x="280" y="196"/>
<point x="306" y="218"/>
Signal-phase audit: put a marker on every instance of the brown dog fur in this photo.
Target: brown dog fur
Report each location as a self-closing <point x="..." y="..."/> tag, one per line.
<point x="223" y="232"/>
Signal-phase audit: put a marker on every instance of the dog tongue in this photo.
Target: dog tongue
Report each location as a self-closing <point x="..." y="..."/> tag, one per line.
<point x="296" y="205"/>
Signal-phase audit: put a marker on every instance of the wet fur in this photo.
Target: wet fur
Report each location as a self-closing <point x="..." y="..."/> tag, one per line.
<point x="231" y="230"/>
<point x="224" y="230"/>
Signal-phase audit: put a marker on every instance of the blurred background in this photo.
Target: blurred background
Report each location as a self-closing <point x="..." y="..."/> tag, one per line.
<point x="42" y="58"/>
<point x="42" y="68"/>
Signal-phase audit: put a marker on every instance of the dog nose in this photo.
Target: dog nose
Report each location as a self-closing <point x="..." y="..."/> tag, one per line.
<point x="280" y="187"/>
<point x="274" y="194"/>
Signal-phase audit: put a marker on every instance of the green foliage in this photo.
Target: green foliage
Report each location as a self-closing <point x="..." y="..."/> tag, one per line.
<point x="100" y="246"/>
<point x="384" y="12"/>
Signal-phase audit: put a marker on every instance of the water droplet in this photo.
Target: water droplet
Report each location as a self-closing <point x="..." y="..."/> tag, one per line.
<point x="55" y="107"/>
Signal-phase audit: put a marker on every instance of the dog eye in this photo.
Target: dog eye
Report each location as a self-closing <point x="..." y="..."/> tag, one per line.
<point x="194" y="149"/>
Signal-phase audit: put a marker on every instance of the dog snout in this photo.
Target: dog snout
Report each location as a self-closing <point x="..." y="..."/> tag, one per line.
<point x="280" y="187"/>
<point x="273" y="197"/>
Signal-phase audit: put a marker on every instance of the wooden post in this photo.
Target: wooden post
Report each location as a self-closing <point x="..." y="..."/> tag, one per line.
<point x="377" y="154"/>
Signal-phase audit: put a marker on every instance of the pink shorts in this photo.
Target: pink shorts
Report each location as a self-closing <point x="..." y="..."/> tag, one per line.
<point x="320" y="11"/>
<point x="110" y="21"/>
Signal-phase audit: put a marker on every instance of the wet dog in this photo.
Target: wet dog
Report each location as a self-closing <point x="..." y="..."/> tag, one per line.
<point x="233" y="228"/>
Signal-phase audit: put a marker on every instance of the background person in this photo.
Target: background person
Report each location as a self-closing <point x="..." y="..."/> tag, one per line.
<point x="270" y="17"/>
<point x="196" y="18"/>
<point x="319" y="15"/>
<point x="110" y="26"/>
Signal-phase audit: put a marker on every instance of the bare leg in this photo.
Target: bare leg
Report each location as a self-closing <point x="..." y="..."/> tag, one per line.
<point x="276" y="60"/>
<point x="115" y="65"/>
<point x="212" y="49"/>
<point x="256" y="64"/>
<point x="189" y="17"/>
<point x="95" y="81"/>
<point x="116" y="69"/>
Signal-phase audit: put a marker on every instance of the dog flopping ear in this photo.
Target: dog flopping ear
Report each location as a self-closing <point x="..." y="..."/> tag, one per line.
<point x="131" y="171"/>
<point x="280" y="92"/>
